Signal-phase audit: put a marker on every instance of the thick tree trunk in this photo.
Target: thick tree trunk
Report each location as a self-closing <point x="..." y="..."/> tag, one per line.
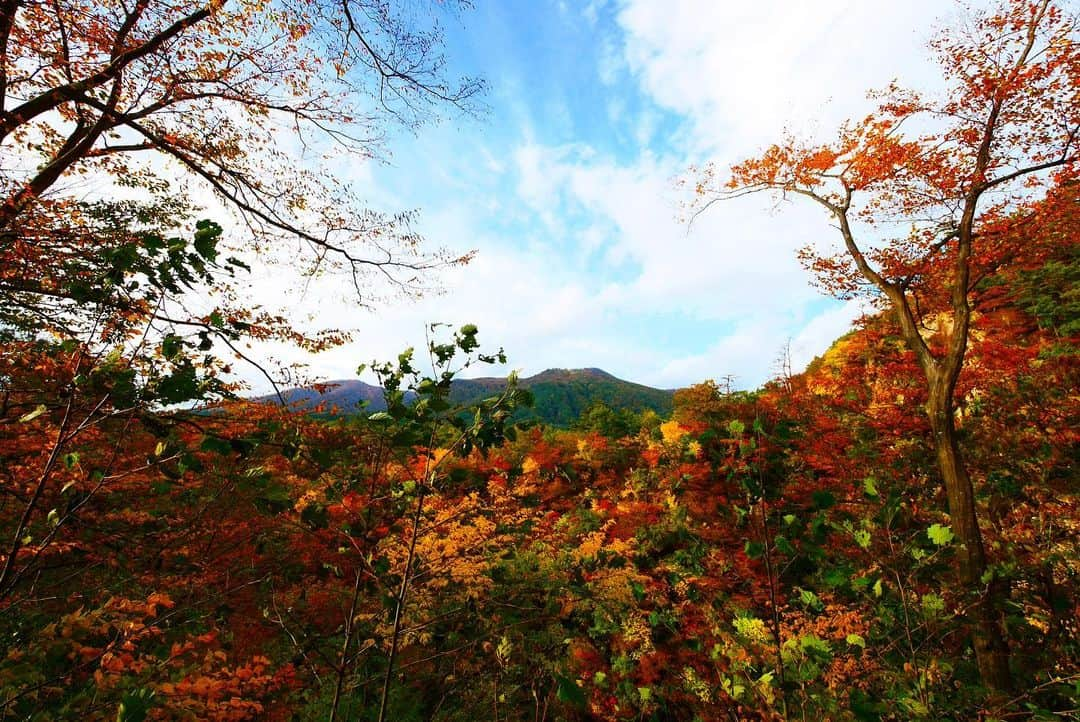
<point x="983" y="597"/>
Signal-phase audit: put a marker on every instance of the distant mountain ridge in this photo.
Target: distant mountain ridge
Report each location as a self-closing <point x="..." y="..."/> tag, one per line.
<point x="561" y="395"/>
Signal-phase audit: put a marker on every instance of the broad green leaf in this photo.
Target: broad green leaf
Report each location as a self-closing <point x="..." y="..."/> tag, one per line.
<point x="940" y="534"/>
<point x="814" y="646"/>
<point x="171" y="346"/>
<point x="810" y="600"/>
<point x="782" y="545"/>
<point x="568" y="691"/>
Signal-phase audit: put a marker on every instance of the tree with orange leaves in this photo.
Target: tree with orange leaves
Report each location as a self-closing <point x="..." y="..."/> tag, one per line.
<point x="1006" y="129"/>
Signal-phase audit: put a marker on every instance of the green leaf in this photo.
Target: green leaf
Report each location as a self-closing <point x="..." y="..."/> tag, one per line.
<point x="754" y="549"/>
<point x="862" y="538"/>
<point x="932" y="605"/>
<point x="870" y="487"/>
<point x="836" y="577"/>
<point x="134" y="705"/>
<point x="568" y="691"/>
<point x="856" y="640"/>
<point x="915" y="707"/>
<point x="815" y="647"/>
<point x="171" y="346"/>
<point x="864" y="707"/>
<point x="940" y="534"/>
<point x="784" y="546"/>
<point x="810" y="600"/>
<point x="823" y="499"/>
<point x="71" y="460"/>
<point x="33" y="414"/>
<point x="179" y="386"/>
<point x="505" y="648"/>
<point x="207" y="234"/>
<point x="216" y="445"/>
<point x="877" y="588"/>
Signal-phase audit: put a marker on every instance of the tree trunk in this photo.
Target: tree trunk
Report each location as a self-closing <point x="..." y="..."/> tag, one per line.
<point x="982" y="598"/>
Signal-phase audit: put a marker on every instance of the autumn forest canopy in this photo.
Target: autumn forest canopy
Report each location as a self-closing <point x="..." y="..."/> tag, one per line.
<point x="891" y="533"/>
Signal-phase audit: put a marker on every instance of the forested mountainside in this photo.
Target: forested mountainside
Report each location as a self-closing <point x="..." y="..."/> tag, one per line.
<point x="560" y="396"/>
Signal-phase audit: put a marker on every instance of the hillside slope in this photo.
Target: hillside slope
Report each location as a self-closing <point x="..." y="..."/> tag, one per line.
<point x="561" y="395"/>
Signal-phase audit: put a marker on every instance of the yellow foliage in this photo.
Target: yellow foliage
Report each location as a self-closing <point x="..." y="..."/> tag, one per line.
<point x="437" y="456"/>
<point x="590" y="545"/>
<point x="672" y="431"/>
<point x="309" y="497"/>
<point x="584" y="451"/>
<point x="597" y="540"/>
<point x="452" y="551"/>
<point x="637" y="635"/>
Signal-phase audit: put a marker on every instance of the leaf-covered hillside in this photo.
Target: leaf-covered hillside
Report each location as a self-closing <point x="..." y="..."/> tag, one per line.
<point x="892" y="534"/>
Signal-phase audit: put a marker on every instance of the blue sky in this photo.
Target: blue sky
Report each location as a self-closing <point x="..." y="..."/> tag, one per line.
<point x="566" y="186"/>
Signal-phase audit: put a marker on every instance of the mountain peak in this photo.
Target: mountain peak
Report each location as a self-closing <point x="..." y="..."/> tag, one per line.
<point x="558" y="374"/>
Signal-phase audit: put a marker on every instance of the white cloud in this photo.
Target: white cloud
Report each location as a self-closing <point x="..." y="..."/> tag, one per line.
<point x="743" y="72"/>
<point x="730" y="263"/>
<point x="819" y="333"/>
